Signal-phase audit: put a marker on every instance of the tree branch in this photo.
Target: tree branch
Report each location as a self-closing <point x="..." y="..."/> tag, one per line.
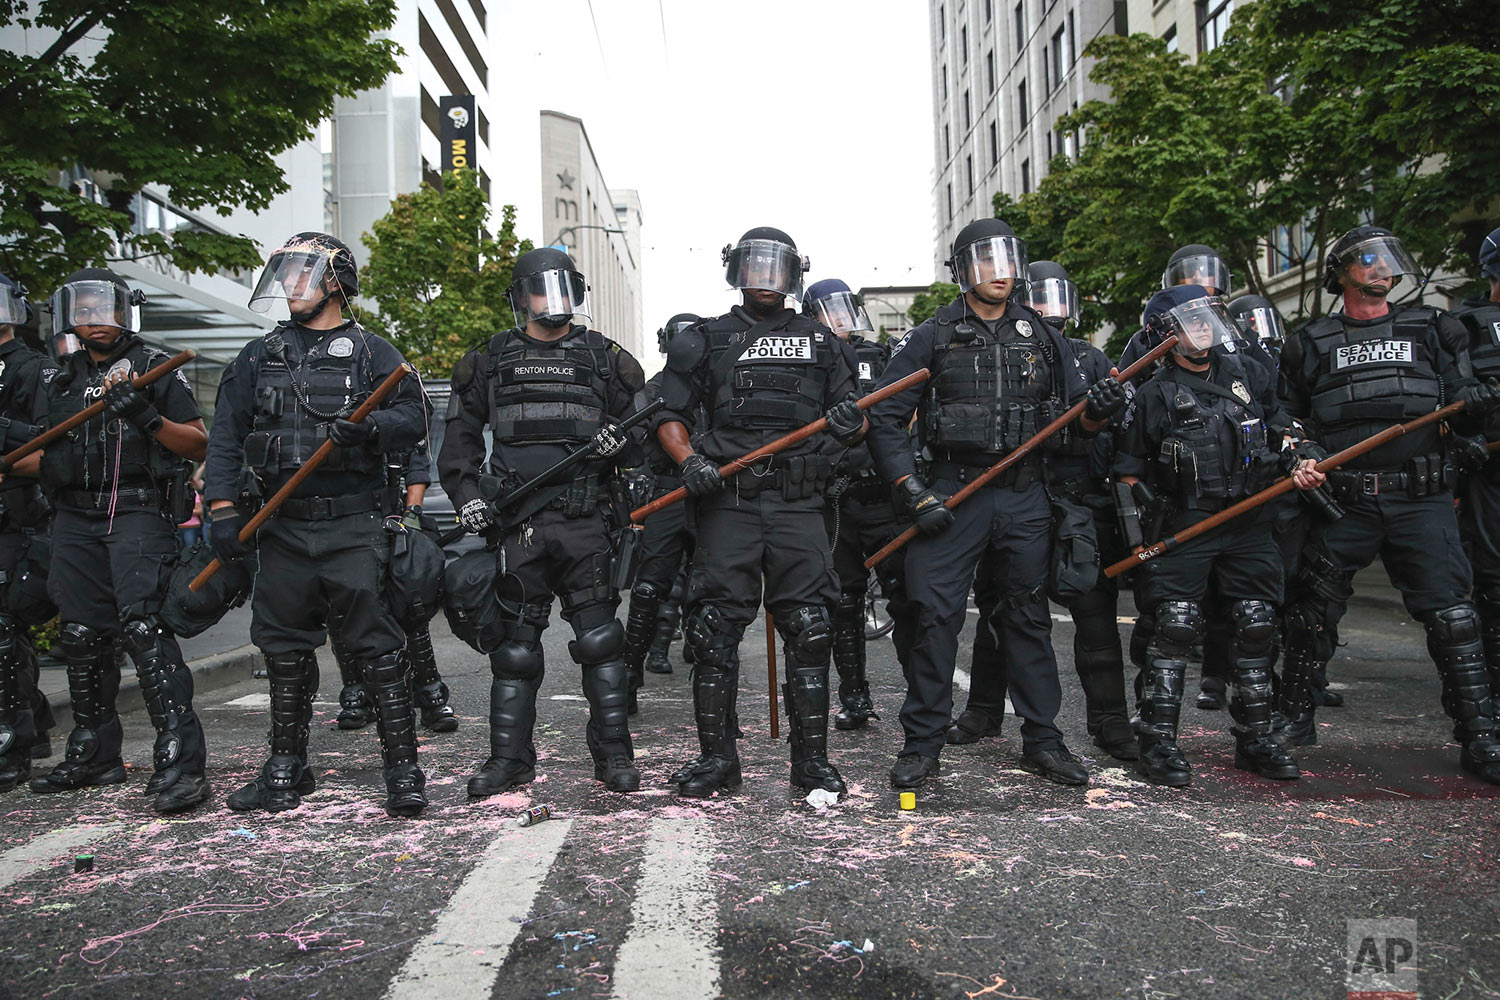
<point x="54" y="52"/>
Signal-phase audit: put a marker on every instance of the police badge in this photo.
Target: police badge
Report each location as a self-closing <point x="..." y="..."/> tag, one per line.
<point x="341" y="348"/>
<point x="1023" y="327"/>
<point x="1240" y="392"/>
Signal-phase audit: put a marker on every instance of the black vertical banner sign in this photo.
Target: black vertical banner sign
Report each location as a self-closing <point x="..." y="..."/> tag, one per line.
<point x="458" y="133"/>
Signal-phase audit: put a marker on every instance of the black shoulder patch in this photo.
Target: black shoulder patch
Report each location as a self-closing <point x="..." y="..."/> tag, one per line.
<point x="464" y="372"/>
<point x="687" y="350"/>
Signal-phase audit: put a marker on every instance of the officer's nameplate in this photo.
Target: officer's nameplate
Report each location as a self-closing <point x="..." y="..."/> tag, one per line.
<point x="1374" y="352"/>
<point x="542" y="371"/>
<point x="866" y="372"/>
<point x="779" y="349"/>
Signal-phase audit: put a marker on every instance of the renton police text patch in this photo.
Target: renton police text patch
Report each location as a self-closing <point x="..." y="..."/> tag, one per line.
<point x="779" y="349"/>
<point x="866" y="372"/>
<point x="1374" y="352"/>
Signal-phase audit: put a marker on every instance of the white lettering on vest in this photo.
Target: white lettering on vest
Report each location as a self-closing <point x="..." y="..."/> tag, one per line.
<point x="779" y="349"/>
<point x="1374" y="352"/>
<point x="543" y="371"/>
<point x="866" y="372"/>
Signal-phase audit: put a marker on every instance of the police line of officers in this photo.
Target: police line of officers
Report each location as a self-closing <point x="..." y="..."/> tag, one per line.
<point x="535" y="419"/>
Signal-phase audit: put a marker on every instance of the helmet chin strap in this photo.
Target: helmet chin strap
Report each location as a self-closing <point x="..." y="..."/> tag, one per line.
<point x="553" y="321"/>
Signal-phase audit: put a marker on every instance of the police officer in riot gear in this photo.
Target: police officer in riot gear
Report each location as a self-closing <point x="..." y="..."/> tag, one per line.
<point x="119" y="483"/>
<point x="859" y="515"/>
<point x="999" y="374"/>
<point x="1077" y="476"/>
<point x="1347" y="376"/>
<point x="1479" y="495"/>
<point x="23" y="513"/>
<point x="1259" y="322"/>
<point x="323" y="556"/>
<point x="657" y="594"/>
<point x="544" y="389"/>
<point x="1201" y="436"/>
<point x="759" y="371"/>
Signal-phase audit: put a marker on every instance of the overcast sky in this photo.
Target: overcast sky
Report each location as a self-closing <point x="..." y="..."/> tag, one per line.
<point x="812" y="116"/>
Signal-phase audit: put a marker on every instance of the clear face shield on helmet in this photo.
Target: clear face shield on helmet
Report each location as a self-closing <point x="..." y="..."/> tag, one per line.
<point x="293" y="280"/>
<point x="1200" y="324"/>
<point x="549" y="297"/>
<point x="60" y="345"/>
<point x="990" y="259"/>
<point x="94" y="303"/>
<point x="1377" y="257"/>
<point x="765" y="265"/>
<point x="12" y="305"/>
<point x="1054" y="298"/>
<point x="1203" y="270"/>
<point x="843" y="313"/>
<point x="1265" y="326"/>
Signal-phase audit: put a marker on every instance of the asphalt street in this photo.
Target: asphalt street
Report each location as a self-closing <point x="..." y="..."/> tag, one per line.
<point x="997" y="885"/>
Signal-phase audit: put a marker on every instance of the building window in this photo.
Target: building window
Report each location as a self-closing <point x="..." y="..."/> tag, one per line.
<point x="942" y="24"/>
<point x="994" y="145"/>
<point x="968" y="118"/>
<point x="989" y="11"/>
<point x="989" y="71"/>
<point x="1046" y="74"/>
<point x="947" y="144"/>
<point x="1063" y="147"/>
<point x="950" y="202"/>
<point x="1026" y="176"/>
<point x="945" y="84"/>
<point x="969" y="169"/>
<point x="1050" y="154"/>
<point x="1059" y="44"/>
<point x="1213" y="21"/>
<point x="1020" y="25"/>
<point x="1072" y="42"/>
<point x="963" y="45"/>
<point x="1021" y="104"/>
<point x="1170" y="37"/>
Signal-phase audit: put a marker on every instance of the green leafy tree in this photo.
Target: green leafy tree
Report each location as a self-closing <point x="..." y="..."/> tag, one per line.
<point x="196" y="96"/>
<point x="438" y="277"/>
<point x="926" y="303"/>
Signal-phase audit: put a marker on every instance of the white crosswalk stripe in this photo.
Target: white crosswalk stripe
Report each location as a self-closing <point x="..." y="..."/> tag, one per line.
<point x="671" y="948"/>
<point x="461" y="958"/>
<point x="44" y="851"/>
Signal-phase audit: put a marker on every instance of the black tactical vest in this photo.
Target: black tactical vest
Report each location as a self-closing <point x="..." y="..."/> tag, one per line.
<point x="871" y="357"/>
<point x="88" y="456"/>
<point x="988" y="395"/>
<point x="553" y="393"/>
<point x="1217" y="447"/>
<point x="776" y="379"/>
<point x="1483" y="321"/>
<point x="1382" y="374"/>
<point x="297" y="397"/>
<point x="19" y="370"/>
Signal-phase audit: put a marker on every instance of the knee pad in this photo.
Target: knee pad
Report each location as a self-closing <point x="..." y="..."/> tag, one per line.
<point x="1254" y="626"/>
<point x="646" y="590"/>
<point x="139" y="635"/>
<point x="384" y="671"/>
<point x="78" y="642"/>
<point x="808" y="633"/>
<point x="849" y="610"/>
<point x="1453" y="626"/>
<point x="289" y="666"/>
<point x="713" y="639"/>
<point x="1179" y="623"/>
<point x="599" y="644"/>
<point x="516" y="661"/>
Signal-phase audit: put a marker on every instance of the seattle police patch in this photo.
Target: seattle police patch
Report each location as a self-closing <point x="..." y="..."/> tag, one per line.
<point x="341" y="348"/>
<point x="1373" y="352"/>
<point x="779" y="349"/>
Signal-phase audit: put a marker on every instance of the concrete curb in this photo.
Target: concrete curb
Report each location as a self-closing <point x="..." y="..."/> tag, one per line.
<point x="209" y="673"/>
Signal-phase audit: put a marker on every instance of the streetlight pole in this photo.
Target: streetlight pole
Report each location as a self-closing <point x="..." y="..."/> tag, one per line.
<point x="890" y="305"/>
<point x="573" y="229"/>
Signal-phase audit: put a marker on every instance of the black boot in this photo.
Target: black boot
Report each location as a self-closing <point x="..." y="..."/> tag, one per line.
<point x="1101" y="674"/>
<point x="805" y="695"/>
<point x="606" y="685"/>
<point x="1453" y="638"/>
<point x="1212" y="692"/>
<point x="93" y="751"/>
<point x="404" y="781"/>
<point x="1161" y="760"/>
<point x="1297" y="703"/>
<point x="518" y="670"/>
<point x="641" y="626"/>
<point x="428" y="692"/>
<point x="1252" y="652"/>
<point x="659" y="656"/>
<point x="989" y="680"/>
<point x="849" y="660"/>
<point x="1487" y="599"/>
<point x="718" y="766"/>
<point x="356" y="710"/>
<point x="17" y="723"/>
<point x="180" y="755"/>
<point x="285" y="777"/>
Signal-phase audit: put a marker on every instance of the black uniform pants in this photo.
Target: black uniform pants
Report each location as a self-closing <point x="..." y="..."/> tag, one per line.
<point x="746" y="541"/>
<point x="1016" y="528"/>
<point x="1479" y="520"/>
<point x="859" y="524"/>
<point x="107" y="570"/>
<point x="316" y="572"/>
<point x="665" y="541"/>
<point x="18" y="669"/>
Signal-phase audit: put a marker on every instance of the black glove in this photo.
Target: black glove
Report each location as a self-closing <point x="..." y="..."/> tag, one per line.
<point x="1299" y="451"/>
<point x="224" y="534"/>
<point x="1469" y="452"/>
<point x="700" y="477"/>
<point x="845" y="421"/>
<point x="609" y="441"/>
<point x="476" y="515"/>
<point x="1106" y="398"/>
<point x="124" y="402"/>
<point x="1479" y="399"/>
<point x="924" y="505"/>
<point x="348" y="434"/>
<point x="1145" y="497"/>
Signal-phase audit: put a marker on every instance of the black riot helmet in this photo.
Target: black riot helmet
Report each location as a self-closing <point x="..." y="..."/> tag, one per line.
<point x="986" y="250"/>
<point x="834" y="304"/>
<point x="672" y="328"/>
<point x="92" y="296"/>
<point x="1052" y="293"/>
<point x="1197" y="264"/>
<point x="1374" y="252"/>
<point x="1489" y="256"/>
<point x="13" y="308"/>
<point x="547" y="287"/>
<point x="1259" y="319"/>
<point x="1188" y="312"/>
<point x="297" y="274"/>
<point x="765" y="258"/>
